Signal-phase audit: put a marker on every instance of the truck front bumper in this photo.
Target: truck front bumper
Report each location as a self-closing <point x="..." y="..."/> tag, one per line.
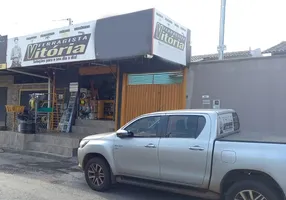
<point x="80" y="157"/>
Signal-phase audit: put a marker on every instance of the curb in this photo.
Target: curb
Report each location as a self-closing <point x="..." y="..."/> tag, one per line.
<point x="37" y="154"/>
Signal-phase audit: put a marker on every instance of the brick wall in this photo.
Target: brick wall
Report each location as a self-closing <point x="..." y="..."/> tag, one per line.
<point x="8" y="81"/>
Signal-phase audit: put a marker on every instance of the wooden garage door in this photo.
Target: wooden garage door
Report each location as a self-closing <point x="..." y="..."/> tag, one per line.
<point x="147" y="93"/>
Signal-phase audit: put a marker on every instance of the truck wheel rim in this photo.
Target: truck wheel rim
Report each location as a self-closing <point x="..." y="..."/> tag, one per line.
<point x="95" y="174"/>
<point x="249" y="195"/>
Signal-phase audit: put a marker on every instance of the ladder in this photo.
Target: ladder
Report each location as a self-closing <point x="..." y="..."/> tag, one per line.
<point x="67" y="117"/>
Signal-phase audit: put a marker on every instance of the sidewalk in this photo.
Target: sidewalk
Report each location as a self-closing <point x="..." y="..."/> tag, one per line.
<point x="25" y="162"/>
<point x="37" y="154"/>
<point x="63" y="145"/>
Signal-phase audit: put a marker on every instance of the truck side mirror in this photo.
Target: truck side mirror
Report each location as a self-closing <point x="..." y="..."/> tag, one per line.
<point x="122" y="134"/>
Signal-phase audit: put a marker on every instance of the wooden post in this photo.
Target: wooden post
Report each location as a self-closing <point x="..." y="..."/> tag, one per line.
<point x="184" y="87"/>
<point x="117" y="98"/>
<point x="123" y="100"/>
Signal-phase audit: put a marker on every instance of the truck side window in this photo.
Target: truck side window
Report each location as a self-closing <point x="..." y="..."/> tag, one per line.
<point x="145" y="127"/>
<point x="185" y="126"/>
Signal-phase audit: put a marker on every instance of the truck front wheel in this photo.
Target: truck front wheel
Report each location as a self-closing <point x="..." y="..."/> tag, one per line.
<point x="97" y="174"/>
<point x="251" y="190"/>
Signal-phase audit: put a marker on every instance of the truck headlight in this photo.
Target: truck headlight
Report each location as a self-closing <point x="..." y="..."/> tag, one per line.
<point x="83" y="143"/>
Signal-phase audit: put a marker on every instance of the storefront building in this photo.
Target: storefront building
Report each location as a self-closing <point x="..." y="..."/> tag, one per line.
<point x="106" y="71"/>
<point x="151" y="52"/>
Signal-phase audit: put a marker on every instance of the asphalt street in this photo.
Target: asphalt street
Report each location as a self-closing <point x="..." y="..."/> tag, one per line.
<point x="24" y="177"/>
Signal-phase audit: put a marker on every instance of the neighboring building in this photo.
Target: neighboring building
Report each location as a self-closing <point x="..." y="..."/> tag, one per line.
<point x="279" y="49"/>
<point x="254" y="87"/>
<point x="227" y="55"/>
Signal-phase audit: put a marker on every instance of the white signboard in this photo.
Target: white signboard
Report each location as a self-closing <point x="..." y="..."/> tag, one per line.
<point x="216" y="104"/>
<point x="169" y="39"/>
<point x="74" y="87"/>
<point x="68" y="44"/>
<point x="226" y="123"/>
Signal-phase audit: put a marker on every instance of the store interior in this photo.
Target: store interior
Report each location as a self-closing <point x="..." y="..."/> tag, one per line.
<point x="97" y="97"/>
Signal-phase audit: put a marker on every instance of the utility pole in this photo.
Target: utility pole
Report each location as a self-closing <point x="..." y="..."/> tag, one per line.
<point x="221" y="46"/>
<point x="68" y="19"/>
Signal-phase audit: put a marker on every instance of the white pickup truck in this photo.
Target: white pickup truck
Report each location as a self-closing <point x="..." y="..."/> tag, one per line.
<point x="200" y="153"/>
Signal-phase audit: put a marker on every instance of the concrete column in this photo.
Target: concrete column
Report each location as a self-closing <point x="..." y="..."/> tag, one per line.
<point x="190" y="85"/>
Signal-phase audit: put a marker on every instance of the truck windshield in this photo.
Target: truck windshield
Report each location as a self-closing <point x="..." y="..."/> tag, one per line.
<point x="228" y="122"/>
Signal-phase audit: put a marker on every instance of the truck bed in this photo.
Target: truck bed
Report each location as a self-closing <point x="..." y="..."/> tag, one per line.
<point x="245" y="136"/>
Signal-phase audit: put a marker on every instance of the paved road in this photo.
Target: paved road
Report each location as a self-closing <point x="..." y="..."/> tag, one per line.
<point x="25" y="177"/>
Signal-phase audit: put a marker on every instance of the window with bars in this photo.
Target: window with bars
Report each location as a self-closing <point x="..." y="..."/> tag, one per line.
<point x="155" y="78"/>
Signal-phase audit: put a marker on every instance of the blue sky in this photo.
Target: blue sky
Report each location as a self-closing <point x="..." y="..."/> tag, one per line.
<point x="249" y="23"/>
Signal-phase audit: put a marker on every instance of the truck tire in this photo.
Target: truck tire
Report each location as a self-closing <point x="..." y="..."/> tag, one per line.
<point x="243" y="189"/>
<point x="97" y="174"/>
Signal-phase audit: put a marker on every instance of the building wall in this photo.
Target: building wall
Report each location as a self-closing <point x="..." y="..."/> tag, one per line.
<point x="255" y="88"/>
<point x="7" y="81"/>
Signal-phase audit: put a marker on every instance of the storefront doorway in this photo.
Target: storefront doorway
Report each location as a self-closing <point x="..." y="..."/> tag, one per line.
<point x="151" y="92"/>
<point x="97" y="94"/>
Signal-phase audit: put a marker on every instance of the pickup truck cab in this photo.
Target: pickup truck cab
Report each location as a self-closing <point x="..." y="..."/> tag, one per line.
<point x="200" y="153"/>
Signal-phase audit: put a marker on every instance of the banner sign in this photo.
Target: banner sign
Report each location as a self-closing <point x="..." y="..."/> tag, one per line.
<point x="3" y="52"/>
<point x="69" y="44"/>
<point x="169" y="39"/>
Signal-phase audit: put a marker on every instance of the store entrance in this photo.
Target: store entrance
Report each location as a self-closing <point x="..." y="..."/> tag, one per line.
<point x="97" y="97"/>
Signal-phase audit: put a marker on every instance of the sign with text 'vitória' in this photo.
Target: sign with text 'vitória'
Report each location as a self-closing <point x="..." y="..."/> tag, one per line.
<point x="169" y="39"/>
<point x="69" y="44"/>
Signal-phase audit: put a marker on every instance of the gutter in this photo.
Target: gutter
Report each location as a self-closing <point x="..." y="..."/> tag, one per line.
<point x="27" y="73"/>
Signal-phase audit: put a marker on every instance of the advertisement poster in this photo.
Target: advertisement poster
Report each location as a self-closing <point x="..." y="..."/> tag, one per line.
<point x="68" y="44"/>
<point x="169" y="39"/>
<point x="226" y="123"/>
<point x="3" y="51"/>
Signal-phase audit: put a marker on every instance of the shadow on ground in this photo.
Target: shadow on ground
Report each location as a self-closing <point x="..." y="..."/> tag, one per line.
<point x="65" y="173"/>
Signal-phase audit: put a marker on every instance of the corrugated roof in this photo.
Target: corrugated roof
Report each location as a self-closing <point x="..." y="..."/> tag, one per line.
<point x="227" y="55"/>
<point x="279" y="48"/>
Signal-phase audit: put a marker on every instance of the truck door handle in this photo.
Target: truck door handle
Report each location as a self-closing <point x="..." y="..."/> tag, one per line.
<point x="150" y="146"/>
<point x="196" y="148"/>
<point x="117" y="146"/>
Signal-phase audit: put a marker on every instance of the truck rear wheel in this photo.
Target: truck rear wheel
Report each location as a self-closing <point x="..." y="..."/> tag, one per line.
<point x="97" y="174"/>
<point x="251" y="190"/>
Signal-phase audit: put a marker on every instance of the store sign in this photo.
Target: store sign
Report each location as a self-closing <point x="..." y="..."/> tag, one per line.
<point x="3" y="52"/>
<point x="69" y="44"/>
<point x="169" y="39"/>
